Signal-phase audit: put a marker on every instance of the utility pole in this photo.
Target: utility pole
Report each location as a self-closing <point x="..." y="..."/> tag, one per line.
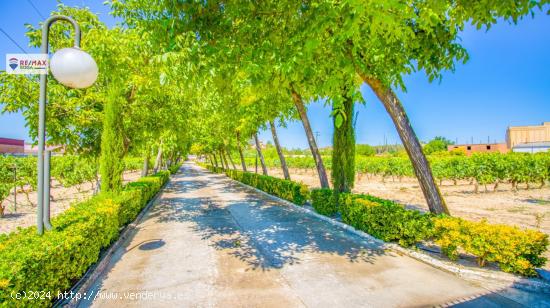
<point x="317" y="134"/>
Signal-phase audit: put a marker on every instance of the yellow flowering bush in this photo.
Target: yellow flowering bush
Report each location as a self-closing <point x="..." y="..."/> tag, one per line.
<point x="515" y="250"/>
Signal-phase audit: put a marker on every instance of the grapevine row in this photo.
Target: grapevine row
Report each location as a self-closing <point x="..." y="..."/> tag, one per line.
<point x="480" y="168"/>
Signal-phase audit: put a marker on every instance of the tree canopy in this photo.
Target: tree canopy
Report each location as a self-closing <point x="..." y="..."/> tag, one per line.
<point x="212" y="73"/>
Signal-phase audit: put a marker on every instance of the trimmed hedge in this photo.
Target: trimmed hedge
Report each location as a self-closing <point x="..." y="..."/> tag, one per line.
<point x="174" y="168"/>
<point x="53" y="262"/>
<point x="385" y="219"/>
<point x="323" y="201"/>
<point x="294" y="192"/>
<point x="515" y="250"/>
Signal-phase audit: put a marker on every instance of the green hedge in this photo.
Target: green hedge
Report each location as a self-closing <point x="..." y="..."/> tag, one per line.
<point x="53" y="262"/>
<point x="515" y="250"/>
<point x="294" y="192"/>
<point x="385" y="219"/>
<point x="174" y="168"/>
<point x="323" y="201"/>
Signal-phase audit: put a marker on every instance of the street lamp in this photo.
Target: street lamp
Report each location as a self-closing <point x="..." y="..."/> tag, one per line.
<point x="73" y="68"/>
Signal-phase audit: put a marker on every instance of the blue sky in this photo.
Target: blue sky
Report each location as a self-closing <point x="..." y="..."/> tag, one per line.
<point x="506" y="82"/>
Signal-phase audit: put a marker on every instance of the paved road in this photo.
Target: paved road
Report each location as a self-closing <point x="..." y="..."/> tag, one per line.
<point x="211" y="242"/>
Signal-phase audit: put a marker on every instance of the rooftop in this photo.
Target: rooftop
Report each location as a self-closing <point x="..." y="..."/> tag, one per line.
<point x="10" y="141"/>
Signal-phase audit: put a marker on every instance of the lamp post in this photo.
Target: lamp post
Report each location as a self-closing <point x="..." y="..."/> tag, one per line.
<point x="73" y="68"/>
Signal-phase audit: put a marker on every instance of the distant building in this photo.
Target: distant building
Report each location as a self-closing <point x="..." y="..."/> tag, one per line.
<point x="527" y="134"/>
<point x="528" y="139"/>
<point x="31" y="149"/>
<point x="476" y="148"/>
<point x="532" y="147"/>
<point x="11" y="146"/>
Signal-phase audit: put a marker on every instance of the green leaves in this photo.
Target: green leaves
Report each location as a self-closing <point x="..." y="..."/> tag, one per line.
<point x="338" y="120"/>
<point x="338" y="112"/>
<point x="324" y="201"/>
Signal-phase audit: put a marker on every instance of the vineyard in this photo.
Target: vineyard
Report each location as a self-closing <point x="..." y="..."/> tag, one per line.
<point x="528" y="170"/>
<point x="20" y="173"/>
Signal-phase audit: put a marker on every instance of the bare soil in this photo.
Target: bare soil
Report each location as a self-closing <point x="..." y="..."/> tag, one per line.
<point x="525" y="208"/>
<point x="62" y="199"/>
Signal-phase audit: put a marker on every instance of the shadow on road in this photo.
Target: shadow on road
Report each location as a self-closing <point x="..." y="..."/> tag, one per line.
<point x="255" y="228"/>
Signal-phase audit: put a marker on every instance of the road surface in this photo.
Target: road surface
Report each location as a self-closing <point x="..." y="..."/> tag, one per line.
<point x="209" y="241"/>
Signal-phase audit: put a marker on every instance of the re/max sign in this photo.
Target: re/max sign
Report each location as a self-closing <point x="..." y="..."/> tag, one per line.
<point x="32" y="63"/>
<point x="27" y="63"/>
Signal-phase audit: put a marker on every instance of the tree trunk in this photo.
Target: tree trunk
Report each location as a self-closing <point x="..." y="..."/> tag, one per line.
<point x="279" y="150"/>
<point x="243" y="162"/>
<point x="215" y="160"/>
<point x="145" y="169"/>
<point x="170" y="161"/>
<point x="158" y="161"/>
<point x="230" y="159"/>
<point x="421" y="166"/>
<point x="311" y="140"/>
<point x="343" y="153"/>
<point x="259" y="150"/>
<point x="222" y="159"/>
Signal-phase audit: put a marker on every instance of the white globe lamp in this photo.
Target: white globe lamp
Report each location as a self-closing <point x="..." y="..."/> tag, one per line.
<point x="73" y="68"/>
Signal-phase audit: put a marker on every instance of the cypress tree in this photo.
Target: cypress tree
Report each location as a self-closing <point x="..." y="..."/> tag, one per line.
<point x="343" y="152"/>
<point x="111" y="164"/>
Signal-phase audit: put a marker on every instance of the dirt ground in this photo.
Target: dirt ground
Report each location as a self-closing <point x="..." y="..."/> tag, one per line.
<point x="524" y="208"/>
<point x="63" y="197"/>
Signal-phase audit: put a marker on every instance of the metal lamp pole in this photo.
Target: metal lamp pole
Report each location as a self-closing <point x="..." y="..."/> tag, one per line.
<point x="43" y="212"/>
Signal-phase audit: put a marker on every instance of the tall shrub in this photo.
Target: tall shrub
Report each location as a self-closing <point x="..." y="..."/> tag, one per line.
<point x="343" y="154"/>
<point x="112" y="144"/>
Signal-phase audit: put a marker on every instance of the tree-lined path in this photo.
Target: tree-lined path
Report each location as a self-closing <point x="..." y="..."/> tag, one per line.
<point x="210" y="241"/>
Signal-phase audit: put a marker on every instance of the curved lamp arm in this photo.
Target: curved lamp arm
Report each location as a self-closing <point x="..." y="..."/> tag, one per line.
<point x="46" y="31"/>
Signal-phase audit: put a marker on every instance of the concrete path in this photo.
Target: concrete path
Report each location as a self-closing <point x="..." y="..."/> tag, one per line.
<point x="211" y="242"/>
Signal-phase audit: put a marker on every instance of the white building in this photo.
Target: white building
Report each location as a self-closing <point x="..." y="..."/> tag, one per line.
<point x="532" y="147"/>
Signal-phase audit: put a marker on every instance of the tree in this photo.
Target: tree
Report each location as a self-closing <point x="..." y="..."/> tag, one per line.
<point x="111" y="164"/>
<point x="158" y="159"/>
<point x="311" y="139"/>
<point x="311" y="49"/>
<point x="282" y="159"/>
<point x="146" y="157"/>
<point x="438" y="144"/>
<point x="343" y="153"/>
<point x="365" y="150"/>
<point x="260" y="155"/>
<point x="240" y="149"/>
